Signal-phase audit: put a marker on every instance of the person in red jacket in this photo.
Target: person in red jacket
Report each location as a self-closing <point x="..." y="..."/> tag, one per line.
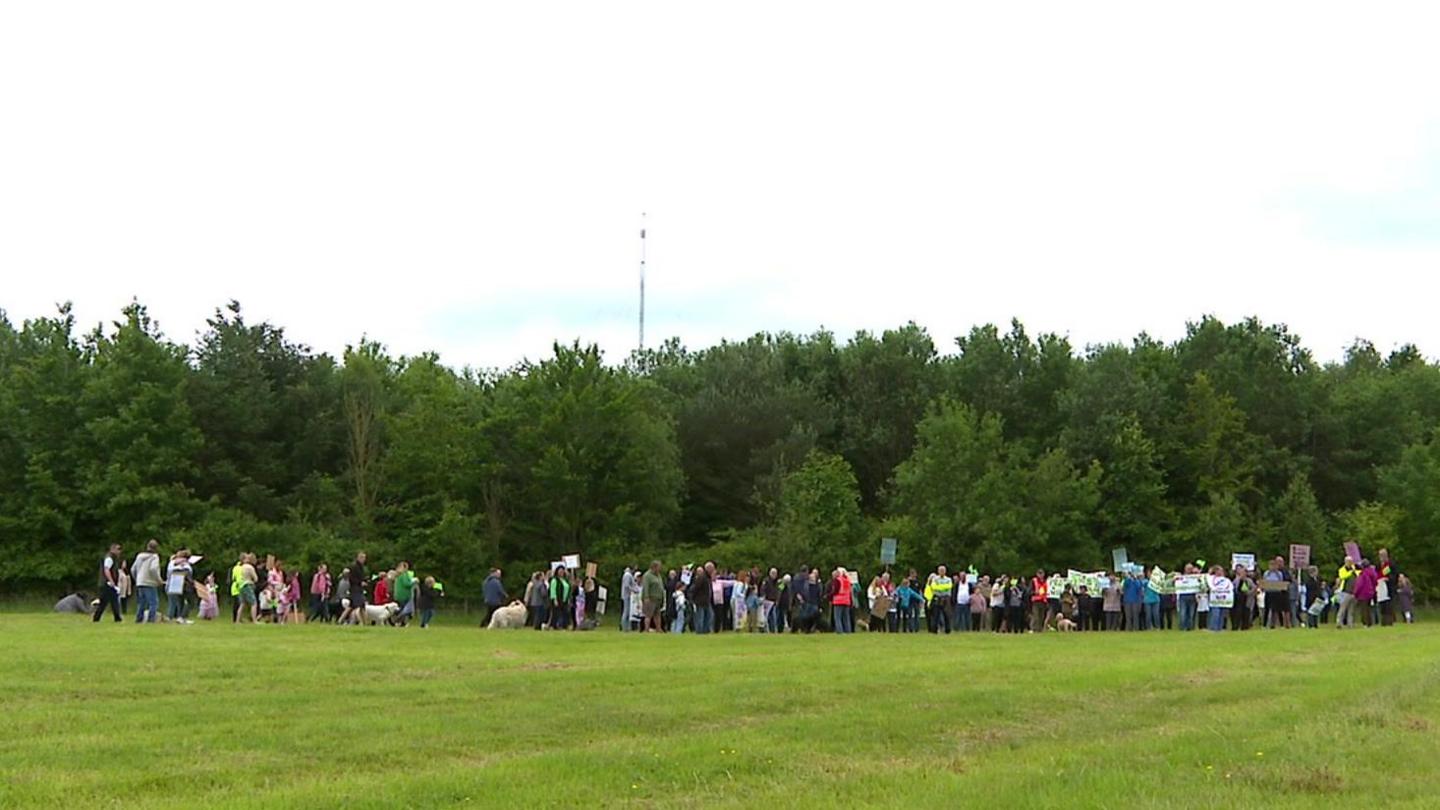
<point x="382" y="589"/>
<point x="1039" y="592"/>
<point x="842" y="592"/>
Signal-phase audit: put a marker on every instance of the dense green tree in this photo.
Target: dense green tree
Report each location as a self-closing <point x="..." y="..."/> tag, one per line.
<point x="818" y="521"/>
<point x="140" y="441"/>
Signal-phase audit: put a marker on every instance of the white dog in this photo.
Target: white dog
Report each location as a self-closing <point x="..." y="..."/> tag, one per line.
<point x="510" y="617"/>
<point x="379" y="614"/>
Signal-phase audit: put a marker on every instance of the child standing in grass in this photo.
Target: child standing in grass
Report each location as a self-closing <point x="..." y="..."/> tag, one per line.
<point x="677" y="625"/>
<point x="209" y="599"/>
<point x="425" y="596"/>
<point x="1405" y="592"/>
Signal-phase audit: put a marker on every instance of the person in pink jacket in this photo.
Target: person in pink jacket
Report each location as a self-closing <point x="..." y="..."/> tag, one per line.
<point x="1365" y="592"/>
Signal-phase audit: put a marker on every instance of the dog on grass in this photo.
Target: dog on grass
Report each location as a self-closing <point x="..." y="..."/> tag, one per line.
<point x="380" y="614"/>
<point x="510" y="617"/>
<point x="1064" y="625"/>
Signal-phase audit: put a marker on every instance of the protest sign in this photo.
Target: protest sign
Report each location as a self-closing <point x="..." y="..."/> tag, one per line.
<point x="1187" y="583"/>
<point x="1276" y="585"/>
<point x="1247" y="560"/>
<point x="853" y="576"/>
<point x="1121" y="558"/>
<point x="971" y="579"/>
<point x="686" y="575"/>
<point x="887" y="550"/>
<point x="1352" y="550"/>
<point x="600" y="604"/>
<point x="1055" y="585"/>
<point x="1158" y="579"/>
<point x="572" y="561"/>
<point x="556" y="564"/>
<point x="591" y="569"/>
<point x="1299" y="555"/>
<point x="1102" y="581"/>
<point x="1222" y="592"/>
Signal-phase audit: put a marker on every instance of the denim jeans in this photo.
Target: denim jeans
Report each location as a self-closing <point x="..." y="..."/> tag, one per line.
<point x="1187" y="611"/>
<point x="1217" y="618"/>
<point x="148" y="599"/>
<point x="704" y="618"/>
<point x="910" y="618"/>
<point x="1132" y="615"/>
<point x="426" y="615"/>
<point x="678" y="624"/>
<point x="962" y="617"/>
<point x="177" y="606"/>
<point x="1152" y="615"/>
<point x="841" y="619"/>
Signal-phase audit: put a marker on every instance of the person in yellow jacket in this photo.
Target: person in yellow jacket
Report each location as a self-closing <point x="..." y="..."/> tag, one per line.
<point x="1345" y="580"/>
<point x="941" y="592"/>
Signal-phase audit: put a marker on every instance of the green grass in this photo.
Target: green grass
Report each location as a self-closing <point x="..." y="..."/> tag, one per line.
<point x="316" y="716"/>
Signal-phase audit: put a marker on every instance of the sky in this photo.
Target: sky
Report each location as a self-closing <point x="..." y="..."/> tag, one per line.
<point x="469" y="178"/>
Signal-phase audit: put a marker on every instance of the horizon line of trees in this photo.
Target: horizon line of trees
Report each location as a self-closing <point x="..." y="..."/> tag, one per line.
<point x="1009" y="453"/>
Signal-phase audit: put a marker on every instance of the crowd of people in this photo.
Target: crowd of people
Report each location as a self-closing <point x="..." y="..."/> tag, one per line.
<point x="706" y="599"/>
<point x="261" y="592"/>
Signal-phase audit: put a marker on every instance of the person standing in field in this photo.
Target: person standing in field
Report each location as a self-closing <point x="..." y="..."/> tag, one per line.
<point x="770" y="611"/>
<point x="209" y="598"/>
<point x="1110" y="603"/>
<point x="1405" y="593"/>
<point x="495" y="596"/>
<point x="1187" y="602"/>
<point x="1015" y="604"/>
<point x="249" y="580"/>
<point x="1386" y="588"/>
<point x="1218" y="612"/>
<point x="1365" y="587"/>
<point x="1150" y="603"/>
<point x="560" y="599"/>
<point x="1132" y="598"/>
<point x="177" y="577"/>
<point x="627" y="585"/>
<point x="880" y="596"/>
<point x="652" y="596"/>
<point x="425" y="594"/>
<point x="1244" y="605"/>
<point x="320" y="586"/>
<point x="1277" y="602"/>
<point x="979" y="601"/>
<point x="1039" y="601"/>
<point x="404" y="592"/>
<point x="358" y="578"/>
<point x="1345" y="581"/>
<point x="537" y="599"/>
<point x="109" y="584"/>
<point x="703" y="616"/>
<point x="147" y="583"/>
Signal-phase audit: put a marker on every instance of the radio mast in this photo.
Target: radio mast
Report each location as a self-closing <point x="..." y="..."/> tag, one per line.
<point x="642" y="281"/>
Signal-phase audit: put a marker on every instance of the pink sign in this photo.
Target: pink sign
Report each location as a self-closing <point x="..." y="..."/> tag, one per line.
<point x="1352" y="550"/>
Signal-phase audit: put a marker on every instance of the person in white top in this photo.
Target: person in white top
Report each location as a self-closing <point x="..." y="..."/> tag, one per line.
<point x="146" y="571"/>
<point x="177" y="578"/>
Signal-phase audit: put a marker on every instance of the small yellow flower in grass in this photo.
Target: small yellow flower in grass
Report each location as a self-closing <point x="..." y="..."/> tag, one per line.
<point x="1259" y="753"/>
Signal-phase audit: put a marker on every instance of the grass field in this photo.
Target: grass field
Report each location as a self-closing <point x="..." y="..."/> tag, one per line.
<point x="223" y="716"/>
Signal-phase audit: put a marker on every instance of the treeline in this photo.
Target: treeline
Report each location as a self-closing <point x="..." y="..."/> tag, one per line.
<point x="1005" y="451"/>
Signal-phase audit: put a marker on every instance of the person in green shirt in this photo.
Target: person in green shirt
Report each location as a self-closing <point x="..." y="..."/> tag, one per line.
<point x="404" y="591"/>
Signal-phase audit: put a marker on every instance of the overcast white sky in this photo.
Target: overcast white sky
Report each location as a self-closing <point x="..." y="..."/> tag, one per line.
<point x="468" y="177"/>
